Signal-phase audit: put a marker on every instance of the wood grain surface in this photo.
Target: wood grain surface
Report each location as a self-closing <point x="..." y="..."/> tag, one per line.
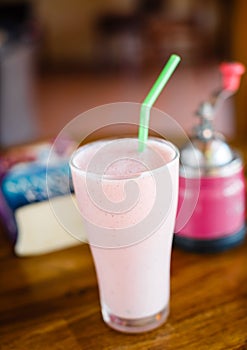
<point x="51" y="302"/>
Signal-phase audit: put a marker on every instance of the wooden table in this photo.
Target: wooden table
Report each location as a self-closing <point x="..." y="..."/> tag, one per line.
<point x="51" y="302"/>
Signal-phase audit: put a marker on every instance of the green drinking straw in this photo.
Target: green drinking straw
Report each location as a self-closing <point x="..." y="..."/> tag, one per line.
<point x="152" y="97"/>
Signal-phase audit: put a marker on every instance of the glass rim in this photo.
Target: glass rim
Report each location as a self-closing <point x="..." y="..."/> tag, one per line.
<point x="122" y="177"/>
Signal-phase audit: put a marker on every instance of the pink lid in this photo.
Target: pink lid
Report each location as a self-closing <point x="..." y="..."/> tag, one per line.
<point x="231" y="74"/>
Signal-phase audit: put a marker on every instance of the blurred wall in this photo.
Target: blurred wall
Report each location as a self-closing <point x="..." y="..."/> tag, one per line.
<point x="69" y="27"/>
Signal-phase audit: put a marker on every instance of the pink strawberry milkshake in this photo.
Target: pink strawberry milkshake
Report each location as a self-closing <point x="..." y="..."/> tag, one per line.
<point x="128" y="202"/>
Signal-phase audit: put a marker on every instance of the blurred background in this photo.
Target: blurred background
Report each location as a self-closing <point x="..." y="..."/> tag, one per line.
<point x="59" y="58"/>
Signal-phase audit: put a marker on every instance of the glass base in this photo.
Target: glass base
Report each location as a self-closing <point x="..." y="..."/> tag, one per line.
<point x="135" y="325"/>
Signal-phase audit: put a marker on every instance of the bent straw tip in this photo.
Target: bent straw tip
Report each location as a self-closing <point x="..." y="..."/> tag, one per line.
<point x="153" y="95"/>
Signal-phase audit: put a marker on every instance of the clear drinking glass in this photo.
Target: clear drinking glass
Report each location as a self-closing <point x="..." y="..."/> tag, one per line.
<point x="128" y="202"/>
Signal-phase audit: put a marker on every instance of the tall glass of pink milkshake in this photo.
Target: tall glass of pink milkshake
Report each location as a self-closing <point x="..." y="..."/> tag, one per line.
<point x="128" y="202"/>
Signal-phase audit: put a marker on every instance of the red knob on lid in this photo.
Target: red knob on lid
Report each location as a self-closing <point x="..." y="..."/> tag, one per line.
<point x="231" y="73"/>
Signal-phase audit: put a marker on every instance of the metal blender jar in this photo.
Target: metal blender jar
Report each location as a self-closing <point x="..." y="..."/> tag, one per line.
<point x="211" y="175"/>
